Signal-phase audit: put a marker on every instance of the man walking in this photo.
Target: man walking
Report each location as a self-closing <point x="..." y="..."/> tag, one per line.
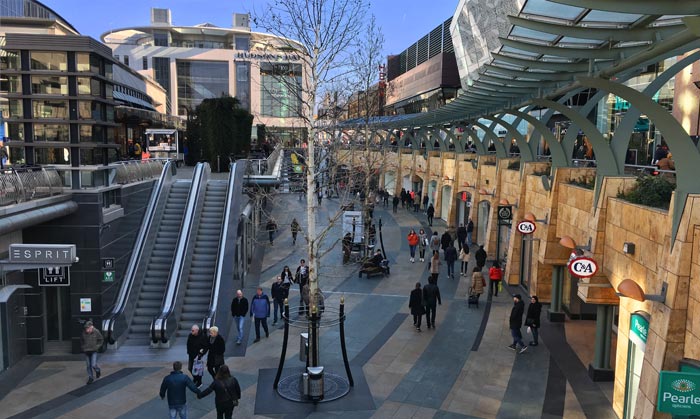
<point x="480" y="257"/>
<point x="431" y="214"/>
<point x="90" y="342"/>
<point x="174" y="386"/>
<point x="515" y="322"/>
<point x="260" y="311"/>
<point x="461" y="236"/>
<point x="431" y="295"/>
<point x="450" y="259"/>
<point x="295" y="230"/>
<point x="302" y="278"/>
<point x="425" y="202"/>
<point x="239" y="309"/>
<point x="395" y="204"/>
<point x="271" y="228"/>
<point x="279" y="293"/>
<point x="196" y="343"/>
<point x="470" y="230"/>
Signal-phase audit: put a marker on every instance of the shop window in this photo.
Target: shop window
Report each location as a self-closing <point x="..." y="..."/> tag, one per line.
<point x="50" y="109"/>
<point x="10" y="84"/>
<point x="51" y="155"/>
<point x="49" y="85"/>
<point x="51" y="132"/>
<point x="55" y="61"/>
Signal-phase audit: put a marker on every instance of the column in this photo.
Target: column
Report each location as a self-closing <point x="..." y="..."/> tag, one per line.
<point x="600" y="369"/>
<point x="555" y="314"/>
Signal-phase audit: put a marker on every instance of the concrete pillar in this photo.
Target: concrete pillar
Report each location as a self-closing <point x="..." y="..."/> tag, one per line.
<point x="600" y="369"/>
<point x="555" y="314"/>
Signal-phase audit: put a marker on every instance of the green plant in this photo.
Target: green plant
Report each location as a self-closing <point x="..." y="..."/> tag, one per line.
<point x="514" y="165"/>
<point x="544" y="171"/>
<point x="651" y="191"/>
<point x="584" y="182"/>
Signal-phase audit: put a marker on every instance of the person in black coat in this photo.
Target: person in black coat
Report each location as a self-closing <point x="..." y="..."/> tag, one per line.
<point x="446" y="240"/>
<point x="431" y="214"/>
<point x="227" y="392"/>
<point x="431" y="298"/>
<point x="279" y="293"/>
<point x="215" y="348"/>
<point x="415" y="303"/>
<point x="461" y="236"/>
<point x="450" y="258"/>
<point x="515" y="322"/>
<point x="532" y="319"/>
<point x="480" y="256"/>
<point x="196" y="342"/>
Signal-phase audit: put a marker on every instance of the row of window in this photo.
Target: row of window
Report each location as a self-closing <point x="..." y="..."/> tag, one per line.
<point x="59" y="109"/>
<point x="61" y="133"/>
<point x="56" y="61"/>
<point x="56" y="85"/>
<point x="61" y="155"/>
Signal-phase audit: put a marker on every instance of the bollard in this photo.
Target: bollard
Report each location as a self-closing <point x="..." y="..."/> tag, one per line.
<point x="303" y="346"/>
<point x="305" y="384"/>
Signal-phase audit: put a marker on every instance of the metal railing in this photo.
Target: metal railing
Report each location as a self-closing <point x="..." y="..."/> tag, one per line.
<point x="137" y="170"/>
<point x="28" y="183"/>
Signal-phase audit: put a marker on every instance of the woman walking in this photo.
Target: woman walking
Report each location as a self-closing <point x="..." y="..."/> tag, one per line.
<point x="478" y="283"/>
<point x="435" y="266"/>
<point x="464" y="258"/>
<point x="415" y="303"/>
<point x="227" y="393"/>
<point x="413" y="240"/>
<point x="215" y="346"/>
<point x="435" y="242"/>
<point x="495" y="276"/>
<point x="422" y="244"/>
<point x="532" y="319"/>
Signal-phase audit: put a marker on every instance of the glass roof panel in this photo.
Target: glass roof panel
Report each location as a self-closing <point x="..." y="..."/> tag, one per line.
<point x="555" y="59"/>
<point x="529" y="33"/>
<point x="579" y="41"/>
<point x="512" y="50"/>
<point x="602" y="16"/>
<point x="508" y="65"/>
<point x="546" y="8"/>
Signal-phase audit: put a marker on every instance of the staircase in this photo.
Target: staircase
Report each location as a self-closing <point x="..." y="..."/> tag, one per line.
<point x="200" y="281"/>
<point x="160" y="261"/>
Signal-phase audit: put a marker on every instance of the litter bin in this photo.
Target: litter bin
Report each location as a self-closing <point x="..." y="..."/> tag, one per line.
<point x="303" y="346"/>
<point x="315" y="383"/>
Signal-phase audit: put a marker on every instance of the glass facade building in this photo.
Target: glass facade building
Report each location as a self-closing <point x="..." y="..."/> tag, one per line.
<point x="199" y="80"/>
<point x="280" y="89"/>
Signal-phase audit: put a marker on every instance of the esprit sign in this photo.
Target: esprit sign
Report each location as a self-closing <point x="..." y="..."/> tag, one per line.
<point x="679" y="393"/>
<point x="583" y="267"/>
<point x="526" y="227"/>
<point x="43" y="253"/>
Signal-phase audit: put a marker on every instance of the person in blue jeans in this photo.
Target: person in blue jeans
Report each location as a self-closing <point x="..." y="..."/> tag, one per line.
<point x="515" y="322"/>
<point x="174" y="385"/>
<point x="239" y="309"/>
<point x="260" y="310"/>
<point x="90" y="342"/>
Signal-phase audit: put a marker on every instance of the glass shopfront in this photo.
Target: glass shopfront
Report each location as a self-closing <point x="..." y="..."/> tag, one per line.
<point x="199" y="80"/>
<point x="280" y="89"/>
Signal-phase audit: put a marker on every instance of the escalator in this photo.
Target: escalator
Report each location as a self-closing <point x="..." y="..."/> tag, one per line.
<point x="200" y="281"/>
<point x="157" y="269"/>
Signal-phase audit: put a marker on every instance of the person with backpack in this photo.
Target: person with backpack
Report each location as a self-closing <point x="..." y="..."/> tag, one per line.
<point x="434" y="243"/>
<point x="495" y="277"/>
<point x="450" y="259"/>
<point x="227" y="393"/>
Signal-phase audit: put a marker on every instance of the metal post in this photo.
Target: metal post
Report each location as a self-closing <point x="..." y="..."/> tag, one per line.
<point x="342" y="341"/>
<point x="284" y="344"/>
<point x="218" y="163"/>
<point x="603" y="335"/>
<point x="498" y="242"/>
<point x="554" y="313"/>
<point x="313" y="338"/>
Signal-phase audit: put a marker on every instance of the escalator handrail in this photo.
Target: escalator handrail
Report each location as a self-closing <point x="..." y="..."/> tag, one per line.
<point x="220" y="258"/>
<point x="125" y="290"/>
<point x="159" y="324"/>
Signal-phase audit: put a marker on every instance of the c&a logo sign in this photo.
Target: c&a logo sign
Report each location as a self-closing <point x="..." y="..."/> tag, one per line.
<point x="583" y="267"/>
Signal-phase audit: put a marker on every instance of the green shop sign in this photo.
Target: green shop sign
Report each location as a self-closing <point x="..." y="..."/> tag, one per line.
<point x="639" y="329"/>
<point x="679" y="393"/>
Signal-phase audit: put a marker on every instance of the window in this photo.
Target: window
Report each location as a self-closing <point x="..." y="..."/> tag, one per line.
<point x="95" y="87"/>
<point x="243" y="84"/>
<point x="91" y="110"/>
<point x="51" y="155"/>
<point x="16" y="155"/>
<point x="10" y="84"/>
<point x="13" y="107"/>
<point x="51" y="132"/>
<point x="15" y="131"/>
<point x="161" y="68"/>
<point x="126" y="60"/>
<point x="56" y="61"/>
<point x="160" y="39"/>
<point x="280" y="88"/>
<point x="242" y="43"/>
<point x="82" y="62"/>
<point x="49" y="85"/>
<point x="91" y="156"/>
<point x="199" y="80"/>
<point x="109" y="91"/>
<point x="85" y="133"/>
<point x="83" y="85"/>
<point x="144" y="63"/>
<point x="55" y="109"/>
<point x="9" y="60"/>
<point x="95" y="64"/>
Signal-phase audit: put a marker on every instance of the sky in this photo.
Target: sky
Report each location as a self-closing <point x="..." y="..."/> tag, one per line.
<point x="403" y="21"/>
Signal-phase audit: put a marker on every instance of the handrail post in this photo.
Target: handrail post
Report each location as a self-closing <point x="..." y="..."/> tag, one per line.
<point x="21" y="194"/>
<point x="285" y="341"/>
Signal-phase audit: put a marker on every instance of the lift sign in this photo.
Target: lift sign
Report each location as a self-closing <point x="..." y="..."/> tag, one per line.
<point x="583" y="267"/>
<point x="526" y="227"/>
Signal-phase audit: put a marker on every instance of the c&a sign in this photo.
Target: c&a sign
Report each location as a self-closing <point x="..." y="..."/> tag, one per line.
<point x="583" y="267"/>
<point x="679" y="393"/>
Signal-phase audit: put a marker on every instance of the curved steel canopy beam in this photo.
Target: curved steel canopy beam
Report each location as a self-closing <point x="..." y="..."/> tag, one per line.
<point x="546" y="65"/>
<point x="536" y="75"/>
<point x="602" y="34"/>
<point x="536" y="134"/>
<point x="525" y="151"/>
<point x="685" y="154"/>
<point x="488" y="134"/>
<point x="478" y="144"/>
<point x="644" y="7"/>
<point x="559" y="158"/>
<point x="596" y="53"/>
<point x="506" y="82"/>
<point x="459" y="145"/>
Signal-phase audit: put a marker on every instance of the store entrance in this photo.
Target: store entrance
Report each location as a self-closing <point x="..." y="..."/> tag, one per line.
<point x="57" y="309"/>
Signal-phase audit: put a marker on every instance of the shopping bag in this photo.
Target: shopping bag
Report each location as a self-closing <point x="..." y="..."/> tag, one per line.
<point x="198" y="367"/>
<point x="500" y="286"/>
<point x="529" y="330"/>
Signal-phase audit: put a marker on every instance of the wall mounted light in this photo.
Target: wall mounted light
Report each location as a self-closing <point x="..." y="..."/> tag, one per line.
<point x="483" y="191"/>
<point x="531" y="218"/>
<point x="569" y="243"/>
<point x="503" y="201"/>
<point x="448" y="178"/>
<point x="630" y="289"/>
<point x="628" y="248"/>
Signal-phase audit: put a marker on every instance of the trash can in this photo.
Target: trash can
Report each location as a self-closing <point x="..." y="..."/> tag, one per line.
<point x="303" y="346"/>
<point x="315" y="383"/>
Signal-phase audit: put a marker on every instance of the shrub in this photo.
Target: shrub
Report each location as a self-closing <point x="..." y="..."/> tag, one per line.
<point x="651" y="191"/>
<point x="514" y="165"/>
<point x="544" y="171"/>
<point x="584" y="182"/>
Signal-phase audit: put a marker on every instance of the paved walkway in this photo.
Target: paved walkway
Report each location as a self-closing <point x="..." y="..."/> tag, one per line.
<point x="460" y="369"/>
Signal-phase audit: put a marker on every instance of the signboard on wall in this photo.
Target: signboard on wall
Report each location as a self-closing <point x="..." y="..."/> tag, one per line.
<point x="639" y="329"/>
<point x="60" y="254"/>
<point x="57" y="276"/>
<point x="505" y="215"/>
<point x="679" y="393"/>
<point x="583" y="267"/>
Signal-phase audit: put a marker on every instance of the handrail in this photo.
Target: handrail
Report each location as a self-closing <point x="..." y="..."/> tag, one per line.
<point x="28" y="183"/>
<point x="159" y="325"/>
<point x="108" y="323"/>
<point x="210" y="319"/>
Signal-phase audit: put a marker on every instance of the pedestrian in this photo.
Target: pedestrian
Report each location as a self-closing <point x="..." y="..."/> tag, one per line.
<point x="239" y="309"/>
<point x="395" y="204"/>
<point x="415" y="303"/>
<point x="215" y="347"/>
<point x="446" y="240"/>
<point x="532" y="319"/>
<point x="413" y="241"/>
<point x="431" y="298"/>
<point x="450" y="259"/>
<point x="434" y="242"/>
<point x="478" y="283"/>
<point x="319" y="195"/>
<point x="195" y="348"/>
<point x="174" y="385"/>
<point x="271" y="228"/>
<point x="301" y="278"/>
<point x="260" y="311"/>
<point x="434" y="266"/>
<point x="227" y="393"/>
<point x="416" y="203"/>
<point x="431" y="214"/>
<point x="295" y="230"/>
<point x="279" y="293"/>
<point x="470" y="230"/>
<point x="464" y="259"/>
<point x="91" y="341"/>
<point x="403" y="197"/>
<point x="422" y="244"/>
<point x="3" y="155"/>
<point x="461" y="236"/>
<point x="480" y="257"/>
<point x="515" y="322"/>
<point x="287" y="277"/>
<point x="495" y="277"/>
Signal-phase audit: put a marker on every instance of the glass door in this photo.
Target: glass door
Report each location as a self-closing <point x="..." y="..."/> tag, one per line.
<point x="57" y="304"/>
